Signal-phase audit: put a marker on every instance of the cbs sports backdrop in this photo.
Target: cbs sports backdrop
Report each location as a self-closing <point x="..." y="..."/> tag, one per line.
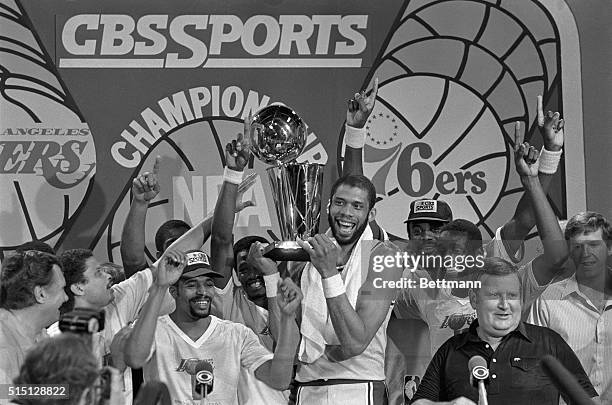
<point x="92" y="91"/>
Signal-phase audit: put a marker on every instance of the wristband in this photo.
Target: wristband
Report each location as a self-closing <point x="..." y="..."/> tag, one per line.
<point x="549" y="161"/>
<point x="272" y="284"/>
<point x="333" y="286"/>
<point x="354" y="137"/>
<point x="232" y="176"/>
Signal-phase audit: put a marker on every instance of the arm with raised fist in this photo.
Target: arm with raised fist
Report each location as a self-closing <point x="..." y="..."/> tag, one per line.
<point x="277" y="372"/>
<point x="199" y="234"/>
<point x="551" y="127"/>
<point x="359" y="109"/>
<point x="140" y="341"/>
<point x="355" y="327"/>
<point x="145" y="187"/>
<point x="237" y="155"/>
<point x="546" y="266"/>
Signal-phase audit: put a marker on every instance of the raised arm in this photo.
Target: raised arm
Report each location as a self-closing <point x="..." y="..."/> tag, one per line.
<point x="140" y="341"/>
<point x="237" y="156"/>
<point x="524" y="218"/>
<point x="269" y="269"/>
<point x="145" y="187"/>
<point x="355" y="327"/>
<point x="357" y="113"/>
<point x="277" y="372"/>
<point x="548" y="265"/>
<point x="199" y="234"/>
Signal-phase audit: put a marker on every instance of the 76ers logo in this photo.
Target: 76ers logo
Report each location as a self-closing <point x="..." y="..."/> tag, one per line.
<point x="448" y="98"/>
<point x="419" y="149"/>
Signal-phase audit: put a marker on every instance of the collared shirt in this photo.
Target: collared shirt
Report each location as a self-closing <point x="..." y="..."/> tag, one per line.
<point x="516" y="376"/>
<point x="447" y="315"/>
<point x="14" y="345"/>
<point x="567" y="311"/>
<point x="129" y="297"/>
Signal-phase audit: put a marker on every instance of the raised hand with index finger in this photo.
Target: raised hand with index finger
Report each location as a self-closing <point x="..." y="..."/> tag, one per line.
<point x="145" y="187"/>
<point x="238" y="151"/>
<point x="360" y="107"/>
<point x="551" y="126"/>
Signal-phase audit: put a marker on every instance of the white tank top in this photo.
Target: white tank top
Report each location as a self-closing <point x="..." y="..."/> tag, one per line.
<point x="369" y="365"/>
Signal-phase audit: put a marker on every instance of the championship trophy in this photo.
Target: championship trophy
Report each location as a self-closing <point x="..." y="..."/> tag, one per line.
<point x="277" y="135"/>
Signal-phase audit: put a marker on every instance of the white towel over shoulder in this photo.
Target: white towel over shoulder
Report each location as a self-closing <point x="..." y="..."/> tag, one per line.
<point x="317" y="329"/>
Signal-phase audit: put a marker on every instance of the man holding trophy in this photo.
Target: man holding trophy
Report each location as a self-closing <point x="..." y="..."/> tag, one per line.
<point x="343" y="318"/>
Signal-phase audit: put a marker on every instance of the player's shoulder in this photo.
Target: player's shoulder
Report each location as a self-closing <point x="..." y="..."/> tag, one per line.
<point x="556" y="290"/>
<point x="227" y="326"/>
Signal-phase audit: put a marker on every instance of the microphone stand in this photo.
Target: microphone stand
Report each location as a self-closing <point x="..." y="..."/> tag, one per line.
<point x="482" y="393"/>
<point x="203" y="392"/>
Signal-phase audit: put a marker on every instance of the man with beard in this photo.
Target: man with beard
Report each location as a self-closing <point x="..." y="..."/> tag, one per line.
<point x="343" y="318"/>
<point x="174" y="348"/>
<point x="242" y="298"/>
<point x="31" y="293"/>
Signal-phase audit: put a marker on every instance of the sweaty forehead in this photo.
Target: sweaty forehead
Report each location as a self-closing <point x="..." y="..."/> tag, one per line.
<point x="197" y="279"/>
<point x="351" y="194"/>
<point x="425" y="225"/>
<point x="92" y="264"/>
<point x="508" y="282"/>
<point x="588" y="235"/>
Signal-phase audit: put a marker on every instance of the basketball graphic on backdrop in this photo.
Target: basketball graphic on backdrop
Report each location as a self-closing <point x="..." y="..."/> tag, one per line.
<point x="449" y="94"/>
<point x="47" y="152"/>
<point x="190" y="176"/>
<point x="411" y="162"/>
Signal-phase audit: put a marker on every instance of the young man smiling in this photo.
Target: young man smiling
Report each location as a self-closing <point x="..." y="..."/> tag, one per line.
<point x="579" y="308"/>
<point x="175" y="347"/>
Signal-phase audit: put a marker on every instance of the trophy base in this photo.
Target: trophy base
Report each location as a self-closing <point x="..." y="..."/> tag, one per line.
<point x="286" y="251"/>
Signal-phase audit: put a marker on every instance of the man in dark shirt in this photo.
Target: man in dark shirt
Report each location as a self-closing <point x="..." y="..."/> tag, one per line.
<point x="513" y="350"/>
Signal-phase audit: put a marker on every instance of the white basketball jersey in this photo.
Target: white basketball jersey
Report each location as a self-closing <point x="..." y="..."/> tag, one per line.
<point x="226" y="345"/>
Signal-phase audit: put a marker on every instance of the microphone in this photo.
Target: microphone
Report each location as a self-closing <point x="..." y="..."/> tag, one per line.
<point x="565" y="381"/>
<point x="204" y="378"/>
<point x="479" y="373"/>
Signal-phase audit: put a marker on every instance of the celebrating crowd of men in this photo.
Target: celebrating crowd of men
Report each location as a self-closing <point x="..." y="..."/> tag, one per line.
<point x="235" y="327"/>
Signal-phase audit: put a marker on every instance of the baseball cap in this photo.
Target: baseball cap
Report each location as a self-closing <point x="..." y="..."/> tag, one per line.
<point x="429" y="210"/>
<point x="198" y="264"/>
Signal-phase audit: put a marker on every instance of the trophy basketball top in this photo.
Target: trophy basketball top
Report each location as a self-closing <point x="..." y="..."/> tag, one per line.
<point x="277" y="134"/>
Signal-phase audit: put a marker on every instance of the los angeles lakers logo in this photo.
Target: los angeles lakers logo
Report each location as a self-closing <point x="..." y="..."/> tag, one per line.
<point x="47" y="152"/>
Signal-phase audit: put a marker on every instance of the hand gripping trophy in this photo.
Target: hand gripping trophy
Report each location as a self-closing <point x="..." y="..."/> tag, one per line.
<point x="277" y="135"/>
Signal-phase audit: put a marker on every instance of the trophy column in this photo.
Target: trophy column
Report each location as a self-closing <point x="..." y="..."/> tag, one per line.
<point x="277" y="136"/>
<point x="296" y="189"/>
